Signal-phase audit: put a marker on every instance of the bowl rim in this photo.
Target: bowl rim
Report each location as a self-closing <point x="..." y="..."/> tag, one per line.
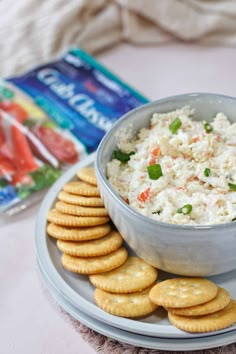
<point x="116" y="196"/>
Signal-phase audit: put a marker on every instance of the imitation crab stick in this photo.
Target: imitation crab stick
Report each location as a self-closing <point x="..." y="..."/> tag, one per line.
<point x="19" y="179"/>
<point x="6" y="165"/>
<point x="4" y="147"/>
<point x="15" y="110"/>
<point x="6" y="168"/>
<point x="23" y="157"/>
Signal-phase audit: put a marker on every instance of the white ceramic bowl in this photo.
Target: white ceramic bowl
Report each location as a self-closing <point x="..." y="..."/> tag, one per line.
<point x="201" y="250"/>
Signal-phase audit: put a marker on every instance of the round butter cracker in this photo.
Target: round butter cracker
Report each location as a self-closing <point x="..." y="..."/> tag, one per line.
<point x="78" y="233"/>
<point x="183" y="292"/>
<point x="80" y="200"/>
<point x="207" y="323"/>
<point x="221" y="300"/>
<point x="95" y="265"/>
<point x="59" y="218"/>
<point x="125" y="305"/>
<point x="134" y="275"/>
<point x="93" y="248"/>
<point x="80" y="210"/>
<point x="81" y="188"/>
<point x="87" y="174"/>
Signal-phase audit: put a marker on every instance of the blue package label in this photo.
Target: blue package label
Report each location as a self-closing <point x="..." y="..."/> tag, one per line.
<point x="80" y="95"/>
<point x="54" y="116"/>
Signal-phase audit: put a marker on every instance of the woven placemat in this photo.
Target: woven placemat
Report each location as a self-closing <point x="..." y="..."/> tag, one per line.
<point x="105" y="345"/>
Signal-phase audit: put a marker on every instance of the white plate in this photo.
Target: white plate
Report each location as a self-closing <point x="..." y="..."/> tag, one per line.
<point x="78" y="291"/>
<point x="137" y="339"/>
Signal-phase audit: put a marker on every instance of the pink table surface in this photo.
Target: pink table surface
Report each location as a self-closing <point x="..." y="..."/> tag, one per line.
<point x="30" y="321"/>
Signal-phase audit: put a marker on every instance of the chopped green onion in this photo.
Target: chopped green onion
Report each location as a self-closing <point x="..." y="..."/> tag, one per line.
<point x="234" y="219"/>
<point x="122" y="156"/>
<point x="207" y="172"/>
<point x="186" y="209"/>
<point x="154" y="171"/>
<point x="175" y="125"/>
<point x="232" y="187"/>
<point x="208" y="128"/>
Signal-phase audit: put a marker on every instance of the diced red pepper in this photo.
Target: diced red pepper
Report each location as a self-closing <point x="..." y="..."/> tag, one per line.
<point x="154" y="154"/>
<point x="196" y="139"/>
<point x="156" y="151"/>
<point x="152" y="161"/>
<point x="143" y="196"/>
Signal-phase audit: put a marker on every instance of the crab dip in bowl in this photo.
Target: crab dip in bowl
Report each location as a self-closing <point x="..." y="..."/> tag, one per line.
<point x="167" y="174"/>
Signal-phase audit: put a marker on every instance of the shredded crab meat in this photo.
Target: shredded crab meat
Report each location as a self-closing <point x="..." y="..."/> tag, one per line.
<point x="183" y="155"/>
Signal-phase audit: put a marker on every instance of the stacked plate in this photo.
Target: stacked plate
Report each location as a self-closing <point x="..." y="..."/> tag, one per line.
<point x="74" y="293"/>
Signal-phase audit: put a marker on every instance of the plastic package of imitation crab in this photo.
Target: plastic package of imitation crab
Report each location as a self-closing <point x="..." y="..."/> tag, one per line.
<point x="51" y="118"/>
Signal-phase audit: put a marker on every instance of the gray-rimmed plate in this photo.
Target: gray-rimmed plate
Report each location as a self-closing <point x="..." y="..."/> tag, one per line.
<point x="77" y="290"/>
<point x="137" y="339"/>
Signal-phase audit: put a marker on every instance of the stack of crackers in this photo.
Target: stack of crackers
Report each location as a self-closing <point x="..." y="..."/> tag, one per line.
<point x="124" y="285"/>
<point x="91" y="245"/>
<point x="80" y="223"/>
<point x="195" y="304"/>
<point x="125" y="290"/>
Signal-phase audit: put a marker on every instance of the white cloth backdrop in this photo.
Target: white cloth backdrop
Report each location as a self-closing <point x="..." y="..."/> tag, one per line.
<point x="33" y="31"/>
